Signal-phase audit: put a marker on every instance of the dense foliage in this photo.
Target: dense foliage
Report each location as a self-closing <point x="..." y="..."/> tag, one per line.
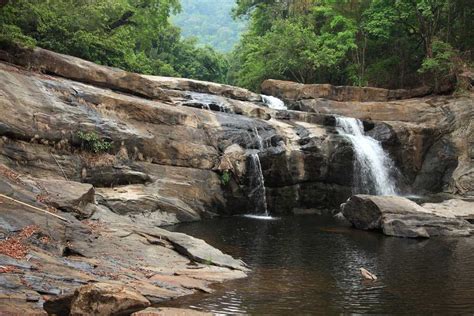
<point x="386" y="43"/>
<point x="210" y="22"/>
<point x="131" y="34"/>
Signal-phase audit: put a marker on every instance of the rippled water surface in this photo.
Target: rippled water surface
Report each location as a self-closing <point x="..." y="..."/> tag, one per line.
<point x="310" y="265"/>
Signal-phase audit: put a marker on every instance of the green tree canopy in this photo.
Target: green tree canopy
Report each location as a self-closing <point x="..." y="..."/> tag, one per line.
<point x="387" y="43"/>
<point x="210" y="22"/>
<point x="135" y="35"/>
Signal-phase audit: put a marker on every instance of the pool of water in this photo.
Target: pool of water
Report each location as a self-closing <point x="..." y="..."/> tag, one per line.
<point x="310" y="265"/>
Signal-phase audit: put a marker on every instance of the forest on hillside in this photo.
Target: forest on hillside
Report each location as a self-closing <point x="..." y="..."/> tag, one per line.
<point x="383" y="43"/>
<point x="135" y="35"/>
<point x="210" y="22"/>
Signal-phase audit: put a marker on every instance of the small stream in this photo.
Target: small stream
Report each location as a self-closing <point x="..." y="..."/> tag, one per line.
<point x="309" y="265"/>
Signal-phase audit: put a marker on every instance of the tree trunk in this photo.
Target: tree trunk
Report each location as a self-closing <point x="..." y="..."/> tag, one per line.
<point x="429" y="47"/>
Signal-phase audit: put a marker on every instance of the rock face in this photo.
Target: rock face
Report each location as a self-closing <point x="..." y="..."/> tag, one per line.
<point x="400" y="217"/>
<point x="430" y="137"/>
<point x="293" y="91"/>
<point x="174" y="139"/>
<point x="168" y="154"/>
<point x="84" y="71"/>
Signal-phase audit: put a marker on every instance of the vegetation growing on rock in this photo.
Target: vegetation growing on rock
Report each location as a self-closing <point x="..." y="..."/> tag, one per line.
<point x="91" y="141"/>
<point x="225" y="177"/>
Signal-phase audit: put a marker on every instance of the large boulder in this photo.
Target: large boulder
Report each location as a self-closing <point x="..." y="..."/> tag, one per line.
<point x="400" y="217"/>
<point x="106" y="299"/>
<point x="84" y="71"/>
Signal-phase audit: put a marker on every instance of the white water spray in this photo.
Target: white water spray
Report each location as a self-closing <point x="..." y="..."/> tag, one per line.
<point x="372" y="165"/>
<point x="273" y="103"/>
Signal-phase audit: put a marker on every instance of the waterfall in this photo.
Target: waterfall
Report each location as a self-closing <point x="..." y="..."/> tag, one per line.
<point x="273" y="103"/>
<point x="258" y="193"/>
<point x="211" y="102"/>
<point x="372" y="165"/>
<point x="259" y="139"/>
<point x="257" y="183"/>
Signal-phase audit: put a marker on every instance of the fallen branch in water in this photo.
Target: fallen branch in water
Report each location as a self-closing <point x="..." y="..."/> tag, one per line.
<point x="367" y="275"/>
<point x="33" y="207"/>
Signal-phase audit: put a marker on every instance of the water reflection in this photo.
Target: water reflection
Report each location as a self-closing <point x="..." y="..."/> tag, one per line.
<point x="311" y="265"/>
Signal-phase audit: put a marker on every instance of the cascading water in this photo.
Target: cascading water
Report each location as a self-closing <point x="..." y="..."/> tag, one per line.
<point x="372" y="165"/>
<point x="259" y="139"/>
<point x="273" y="103"/>
<point x="257" y="183"/>
<point x="211" y="102"/>
<point x="258" y="193"/>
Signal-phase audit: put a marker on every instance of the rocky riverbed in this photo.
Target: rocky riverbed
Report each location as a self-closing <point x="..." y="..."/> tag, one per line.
<point x="113" y="156"/>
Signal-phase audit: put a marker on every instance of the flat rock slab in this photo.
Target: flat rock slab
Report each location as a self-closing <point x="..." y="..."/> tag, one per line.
<point x="199" y="251"/>
<point x="167" y="311"/>
<point x="400" y="217"/>
<point x="458" y="208"/>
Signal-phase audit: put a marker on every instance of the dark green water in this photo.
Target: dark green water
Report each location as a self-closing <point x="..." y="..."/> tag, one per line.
<point x="310" y="265"/>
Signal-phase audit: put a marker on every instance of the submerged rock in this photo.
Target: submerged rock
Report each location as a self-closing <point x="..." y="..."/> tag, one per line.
<point x="400" y="217"/>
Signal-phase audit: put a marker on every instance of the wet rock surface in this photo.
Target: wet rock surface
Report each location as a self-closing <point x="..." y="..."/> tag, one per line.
<point x="400" y="217"/>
